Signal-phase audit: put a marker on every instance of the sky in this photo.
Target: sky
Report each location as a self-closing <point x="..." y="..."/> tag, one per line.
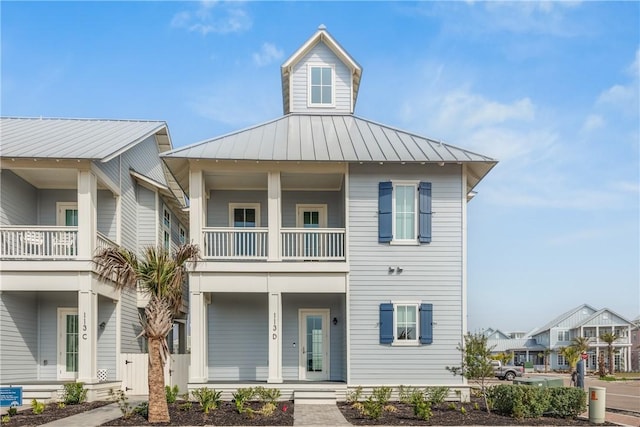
<point x="550" y="89"/>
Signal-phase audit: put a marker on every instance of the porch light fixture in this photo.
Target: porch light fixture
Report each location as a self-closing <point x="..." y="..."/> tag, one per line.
<point x="103" y="325"/>
<point x="391" y="269"/>
<point x="399" y="269"/>
<point x="335" y="321"/>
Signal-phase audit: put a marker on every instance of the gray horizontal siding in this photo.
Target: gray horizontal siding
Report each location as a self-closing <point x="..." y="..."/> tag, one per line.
<point x="106" y="214"/>
<point x="218" y="206"/>
<point x="291" y="304"/>
<point x="432" y="273"/>
<point x="333" y="199"/>
<point x="107" y="350"/>
<point x="238" y="333"/>
<point x="19" y="200"/>
<point x="48" y="303"/>
<point x="18" y="337"/>
<point x="320" y="55"/>
<point x="130" y="327"/>
<point x="47" y="199"/>
<point x="147" y="221"/>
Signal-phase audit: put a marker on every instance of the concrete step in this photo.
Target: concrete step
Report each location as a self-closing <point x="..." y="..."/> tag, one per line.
<point x="314" y="397"/>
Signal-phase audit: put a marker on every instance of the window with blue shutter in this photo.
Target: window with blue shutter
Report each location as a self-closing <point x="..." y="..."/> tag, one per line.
<point x="426" y="323"/>
<point x="385" y="212"/>
<point x="424" y="214"/>
<point x="386" y="323"/>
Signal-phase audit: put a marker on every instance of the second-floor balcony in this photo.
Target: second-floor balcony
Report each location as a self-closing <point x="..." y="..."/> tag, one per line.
<point x="296" y="244"/>
<point x="44" y="242"/>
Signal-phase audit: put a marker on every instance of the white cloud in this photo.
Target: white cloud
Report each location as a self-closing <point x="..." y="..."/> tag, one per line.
<point x="593" y="122"/>
<point x="578" y="236"/>
<point x="624" y="97"/>
<point x="267" y="54"/>
<point x="214" y="17"/>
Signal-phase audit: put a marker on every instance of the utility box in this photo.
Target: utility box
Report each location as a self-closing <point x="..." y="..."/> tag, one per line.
<point x="540" y="381"/>
<point x="597" y="399"/>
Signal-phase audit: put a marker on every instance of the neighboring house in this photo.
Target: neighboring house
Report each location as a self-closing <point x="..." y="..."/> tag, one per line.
<point x="583" y="321"/>
<point x="334" y="248"/>
<point x="635" y="345"/>
<point x="496" y="334"/>
<point x="69" y="188"/>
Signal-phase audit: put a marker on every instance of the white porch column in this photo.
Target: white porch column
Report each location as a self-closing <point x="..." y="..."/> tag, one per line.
<point x="87" y="336"/>
<point x="275" y="340"/>
<point x="87" y="216"/>
<point x="197" y="207"/>
<point x="199" y="369"/>
<point x="275" y="214"/>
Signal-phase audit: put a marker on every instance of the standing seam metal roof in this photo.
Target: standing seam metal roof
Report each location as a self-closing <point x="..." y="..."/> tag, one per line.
<point x="311" y="138"/>
<point x="70" y="138"/>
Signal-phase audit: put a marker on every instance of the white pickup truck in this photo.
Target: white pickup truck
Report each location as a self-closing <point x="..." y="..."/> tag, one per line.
<point x="506" y="372"/>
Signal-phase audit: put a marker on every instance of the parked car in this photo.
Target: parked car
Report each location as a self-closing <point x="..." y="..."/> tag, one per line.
<point x="506" y="372"/>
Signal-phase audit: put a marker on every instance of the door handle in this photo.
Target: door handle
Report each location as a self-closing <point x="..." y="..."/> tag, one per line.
<point x="303" y="352"/>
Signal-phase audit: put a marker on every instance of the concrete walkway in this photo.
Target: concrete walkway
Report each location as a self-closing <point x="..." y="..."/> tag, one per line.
<point x="318" y="415"/>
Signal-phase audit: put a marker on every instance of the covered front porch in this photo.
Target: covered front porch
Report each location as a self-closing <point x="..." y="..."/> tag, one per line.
<point x="268" y="338"/>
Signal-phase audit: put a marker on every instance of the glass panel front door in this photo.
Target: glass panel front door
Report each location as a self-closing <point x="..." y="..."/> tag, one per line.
<point x="244" y="242"/>
<point x="315" y="345"/>
<point x="67" y="343"/>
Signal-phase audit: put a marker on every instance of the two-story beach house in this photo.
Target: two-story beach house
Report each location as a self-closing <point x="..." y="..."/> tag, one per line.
<point x="334" y="248"/>
<point x="587" y="322"/>
<point x="68" y="188"/>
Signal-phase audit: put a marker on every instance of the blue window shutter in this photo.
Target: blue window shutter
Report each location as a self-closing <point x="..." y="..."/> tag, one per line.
<point x="386" y="323"/>
<point x="385" y="212"/>
<point x="424" y="214"/>
<point x="426" y="323"/>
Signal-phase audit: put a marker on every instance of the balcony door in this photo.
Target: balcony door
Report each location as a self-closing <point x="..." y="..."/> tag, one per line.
<point x="311" y="216"/>
<point x="314" y="344"/>
<point x="67" y="214"/>
<point x="244" y="215"/>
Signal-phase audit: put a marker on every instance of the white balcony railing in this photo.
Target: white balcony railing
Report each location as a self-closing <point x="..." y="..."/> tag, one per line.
<point x="103" y="242"/>
<point x="318" y="244"/>
<point x="39" y="242"/>
<point x="236" y="243"/>
<point x="322" y="244"/>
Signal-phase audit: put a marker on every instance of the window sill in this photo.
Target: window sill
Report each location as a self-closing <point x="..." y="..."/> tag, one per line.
<point x="406" y="344"/>
<point x="404" y="243"/>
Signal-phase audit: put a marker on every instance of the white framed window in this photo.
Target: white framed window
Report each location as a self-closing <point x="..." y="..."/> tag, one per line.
<point x="406" y="323"/>
<point x="66" y="214"/>
<point x="311" y="216"/>
<point x="563" y="336"/>
<point x="244" y="215"/>
<point x="321" y="85"/>
<point x="182" y="235"/>
<point x="561" y="360"/>
<point x="405" y="215"/>
<point x="166" y="228"/>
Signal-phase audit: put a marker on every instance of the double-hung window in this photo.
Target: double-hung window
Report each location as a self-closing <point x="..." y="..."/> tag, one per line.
<point x="321" y="85"/>
<point x="166" y="228"/>
<point x="404" y="212"/>
<point x="406" y="323"/>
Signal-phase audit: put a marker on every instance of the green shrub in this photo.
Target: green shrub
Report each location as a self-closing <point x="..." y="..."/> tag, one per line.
<point x="37" y="407"/>
<point x="436" y="395"/>
<point x="186" y="406"/>
<point x="519" y="401"/>
<point x="422" y="409"/>
<point x="382" y="395"/>
<point x="452" y="406"/>
<point x="372" y="408"/>
<point x="241" y="397"/>
<point x="142" y="409"/>
<point x="12" y="411"/>
<point x="6" y="418"/>
<point x="267" y="395"/>
<point x="566" y="402"/>
<point x="123" y="402"/>
<point x="171" y="393"/>
<point x="355" y="395"/>
<point x="268" y="409"/>
<point x="405" y="393"/>
<point x="74" y="393"/>
<point x="208" y="398"/>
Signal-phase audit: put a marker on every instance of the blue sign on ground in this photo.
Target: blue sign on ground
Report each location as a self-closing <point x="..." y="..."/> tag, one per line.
<point x="10" y="396"/>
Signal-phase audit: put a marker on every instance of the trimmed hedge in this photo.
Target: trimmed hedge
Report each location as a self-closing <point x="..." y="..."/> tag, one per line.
<point x="522" y="401"/>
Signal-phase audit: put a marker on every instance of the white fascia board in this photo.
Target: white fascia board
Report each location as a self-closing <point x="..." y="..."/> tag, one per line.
<point x="134" y="143"/>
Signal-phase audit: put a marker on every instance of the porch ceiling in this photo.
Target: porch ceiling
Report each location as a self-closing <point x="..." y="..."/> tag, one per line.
<point x="258" y="181"/>
<point x="47" y="179"/>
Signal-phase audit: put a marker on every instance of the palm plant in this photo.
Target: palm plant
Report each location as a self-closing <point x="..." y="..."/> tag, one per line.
<point x="581" y="344"/>
<point x="609" y="338"/>
<point x="572" y="355"/>
<point x="161" y="276"/>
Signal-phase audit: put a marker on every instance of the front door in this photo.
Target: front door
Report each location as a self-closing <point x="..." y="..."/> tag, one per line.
<point x="67" y="343"/>
<point x="314" y="344"/>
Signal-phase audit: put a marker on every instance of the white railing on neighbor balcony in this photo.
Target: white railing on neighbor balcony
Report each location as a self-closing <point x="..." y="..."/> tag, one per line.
<point x="236" y="243"/>
<point x="322" y="244"/>
<point x="103" y="242"/>
<point x="38" y="242"/>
